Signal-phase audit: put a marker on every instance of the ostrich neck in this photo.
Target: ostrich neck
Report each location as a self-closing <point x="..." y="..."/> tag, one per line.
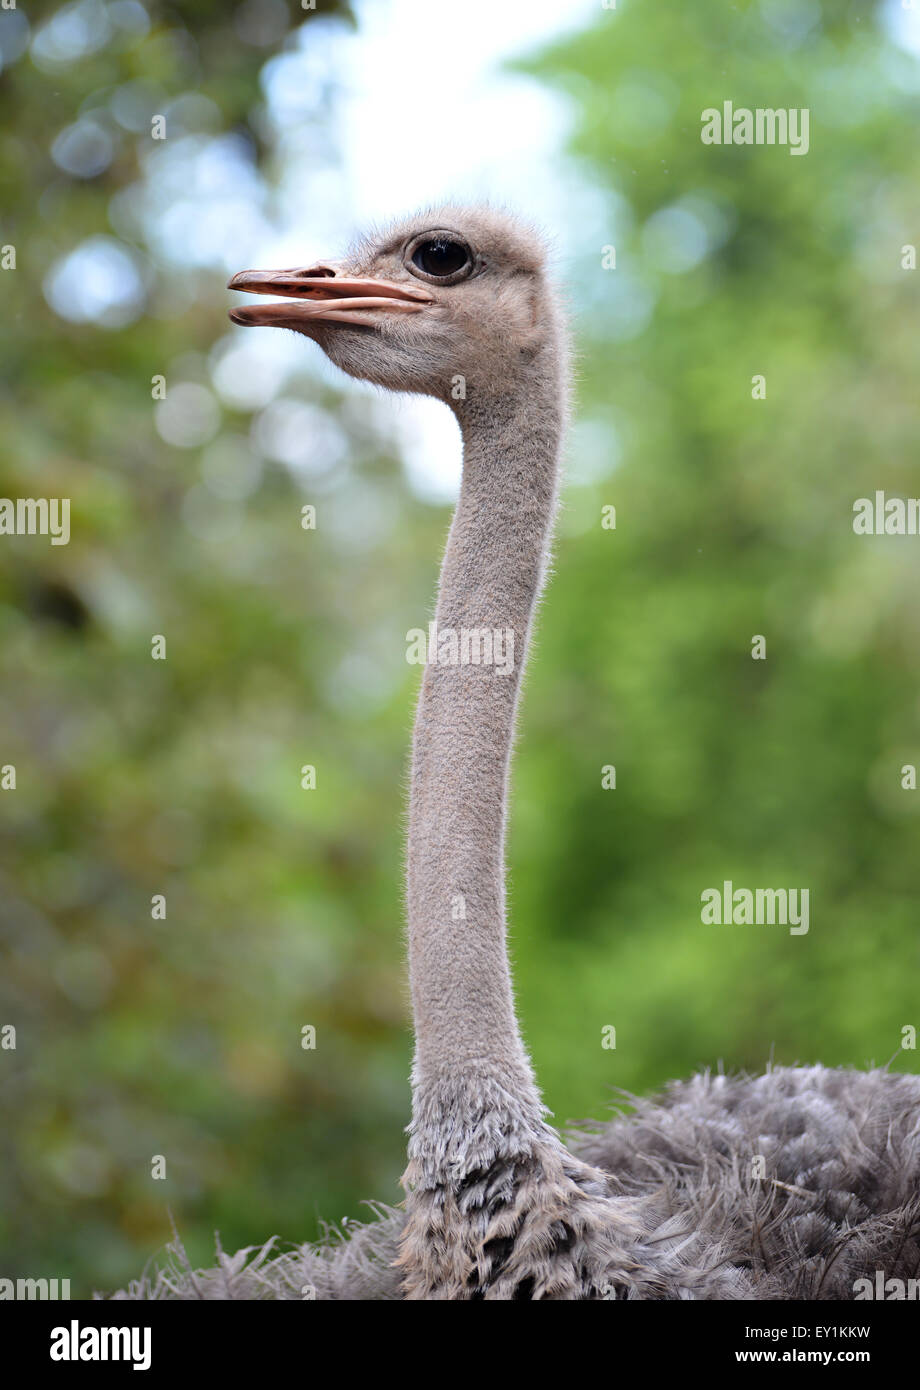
<point x="474" y="1094"/>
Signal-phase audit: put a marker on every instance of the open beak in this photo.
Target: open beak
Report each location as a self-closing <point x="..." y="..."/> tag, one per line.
<point x="322" y="295"/>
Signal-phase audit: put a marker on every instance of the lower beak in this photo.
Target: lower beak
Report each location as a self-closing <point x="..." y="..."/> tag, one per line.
<point x="321" y="295"/>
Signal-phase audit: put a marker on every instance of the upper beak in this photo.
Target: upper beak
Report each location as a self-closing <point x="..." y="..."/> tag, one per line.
<point x="321" y="294"/>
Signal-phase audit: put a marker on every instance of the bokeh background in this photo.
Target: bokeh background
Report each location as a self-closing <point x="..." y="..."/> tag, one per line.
<point x="286" y="129"/>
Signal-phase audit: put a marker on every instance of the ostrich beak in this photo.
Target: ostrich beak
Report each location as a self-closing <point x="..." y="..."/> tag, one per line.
<point x="322" y="295"/>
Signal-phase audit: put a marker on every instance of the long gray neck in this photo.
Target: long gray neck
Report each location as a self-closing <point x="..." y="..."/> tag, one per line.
<point x="474" y="1094"/>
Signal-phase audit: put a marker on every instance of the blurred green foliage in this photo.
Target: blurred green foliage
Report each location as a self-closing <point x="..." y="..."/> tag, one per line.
<point x="181" y="1037"/>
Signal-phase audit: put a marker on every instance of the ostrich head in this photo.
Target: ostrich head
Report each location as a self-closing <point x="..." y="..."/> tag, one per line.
<point x="449" y="300"/>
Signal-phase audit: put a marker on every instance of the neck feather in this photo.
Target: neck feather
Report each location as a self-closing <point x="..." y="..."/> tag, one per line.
<point x="474" y="1094"/>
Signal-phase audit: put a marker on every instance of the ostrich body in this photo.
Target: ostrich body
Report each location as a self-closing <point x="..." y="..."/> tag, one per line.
<point x="791" y="1184"/>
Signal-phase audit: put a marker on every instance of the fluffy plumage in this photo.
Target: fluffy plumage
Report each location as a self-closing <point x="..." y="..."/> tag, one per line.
<point x="838" y="1200"/>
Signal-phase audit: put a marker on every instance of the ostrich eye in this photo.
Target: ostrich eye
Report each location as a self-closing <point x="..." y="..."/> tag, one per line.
<point x="440" y="257"/>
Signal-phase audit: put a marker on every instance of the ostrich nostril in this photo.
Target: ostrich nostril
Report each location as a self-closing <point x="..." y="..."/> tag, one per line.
<point x="314" y="271"/>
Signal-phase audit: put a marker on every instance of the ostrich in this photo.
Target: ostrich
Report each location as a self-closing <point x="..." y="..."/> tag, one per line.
<point x="793" y="1184"/>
